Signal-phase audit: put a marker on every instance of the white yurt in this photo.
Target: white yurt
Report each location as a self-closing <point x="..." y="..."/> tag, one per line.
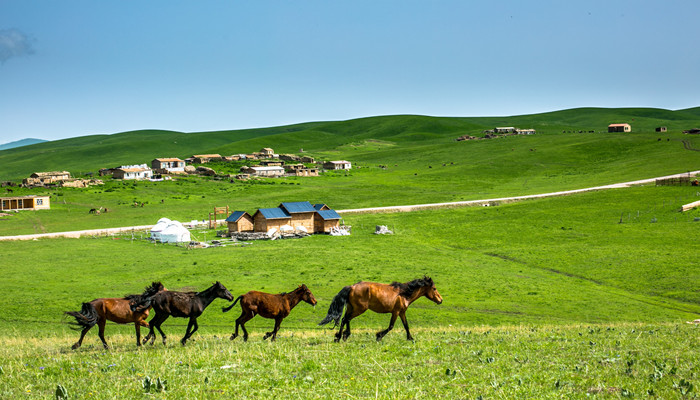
<point x="158" y="228"/>
<point x="175" y="232"/>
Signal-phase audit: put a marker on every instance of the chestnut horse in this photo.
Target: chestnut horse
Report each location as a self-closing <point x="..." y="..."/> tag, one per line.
<point x="180" y="305"/>
<point x="99" y="311"/>
<point x="273" y="306"/>
<point x="380" y="298"/>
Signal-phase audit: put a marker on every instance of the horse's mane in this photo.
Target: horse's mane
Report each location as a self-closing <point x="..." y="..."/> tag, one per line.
<point x="148" y="292"/>
<point x="407" y="289"/>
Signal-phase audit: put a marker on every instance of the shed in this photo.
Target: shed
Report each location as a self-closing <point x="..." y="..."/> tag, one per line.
<point x="32" y="202"/>
<point x="240" y="221"/>
<point x="302" y="213"/>
<point x="264" y="171"/>
<point x="661" y="129"/>
<point x="325" y="220"/>
<point x="204" y="158"/>
<point x="619" y="128"/>
<point x="320" y="207"/>
<point x="270" y="218"/>
<point x="266" y="151"/>
<point x="504" y="129"/>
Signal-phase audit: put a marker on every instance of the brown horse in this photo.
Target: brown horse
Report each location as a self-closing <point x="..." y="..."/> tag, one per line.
<point x="180" y="305"/>
<point x="99" y="311"/>
<point x="273" y="306"/>
<point x="380" y="298"/>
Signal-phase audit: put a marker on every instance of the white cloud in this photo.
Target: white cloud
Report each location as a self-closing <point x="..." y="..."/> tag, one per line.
<point x="14" y="43"/>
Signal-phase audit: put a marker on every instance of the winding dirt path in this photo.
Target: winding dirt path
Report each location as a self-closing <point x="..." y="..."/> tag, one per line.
<point x="390" y="209"/>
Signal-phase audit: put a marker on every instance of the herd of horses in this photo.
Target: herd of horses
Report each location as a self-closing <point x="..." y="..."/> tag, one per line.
<point x="391" y="298"/>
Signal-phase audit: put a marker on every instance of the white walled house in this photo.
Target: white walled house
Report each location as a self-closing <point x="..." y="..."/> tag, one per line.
<point x="141" y="171"/>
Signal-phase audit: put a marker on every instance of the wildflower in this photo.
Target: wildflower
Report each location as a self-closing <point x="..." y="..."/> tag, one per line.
<point x="41" y="368"/>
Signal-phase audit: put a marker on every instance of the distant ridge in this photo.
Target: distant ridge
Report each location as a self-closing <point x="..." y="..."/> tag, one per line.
<point x="20" y="143"/>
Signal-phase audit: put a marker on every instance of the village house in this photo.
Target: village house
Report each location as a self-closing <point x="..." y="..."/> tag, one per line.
<point x="270" y="218"/>
<point x="240" y="221"/>
<point x="269" y="172"/>
<point x="140" y="171"/>
<point x="504" y="129"/>
<point x="619" y="128"/>
<point x="661" y="129"/>
<point x="528" y="131"/>
<point x="300" y="170"/>
<point x="271" y="163"/>
<point x="342" y="164"/>
<point x="203" y="158"/>
<point x="267" y="152"/>
<point x="47" y="178"/>
<point x="168" y="165"/>
<point x="33" y="202"/>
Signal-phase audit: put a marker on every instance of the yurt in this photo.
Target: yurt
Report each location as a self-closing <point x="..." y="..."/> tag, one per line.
<point x="174" y="232"/>
<point x="158" y="228"/>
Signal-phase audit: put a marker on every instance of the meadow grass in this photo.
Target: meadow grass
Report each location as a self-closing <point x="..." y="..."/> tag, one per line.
<point x="543" y="362"/>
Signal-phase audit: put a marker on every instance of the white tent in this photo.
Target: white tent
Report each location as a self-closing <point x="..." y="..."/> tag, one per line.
<point x="158" y="228"/>
<point x="174" y="232"/>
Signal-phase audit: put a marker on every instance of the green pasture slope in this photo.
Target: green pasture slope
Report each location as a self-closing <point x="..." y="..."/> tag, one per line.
<point x="422" y="163"/>
<point x="570" y="297"/>
<point x="551" y="298"/>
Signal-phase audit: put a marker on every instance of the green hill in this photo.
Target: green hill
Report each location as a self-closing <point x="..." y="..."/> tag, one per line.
<point x="90" y="153"/>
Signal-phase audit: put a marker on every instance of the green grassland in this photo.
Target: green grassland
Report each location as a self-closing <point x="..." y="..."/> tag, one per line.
<point x="546" y="298"/>
<point x="579" y="296"/>
<point x="424" y="164"/>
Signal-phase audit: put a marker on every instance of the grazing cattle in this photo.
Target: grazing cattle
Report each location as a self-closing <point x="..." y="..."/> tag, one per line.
<point x="99" y="311"/>
<point x="180" y="305"/>
<point x="380" y="298"/>
<point x="273" y="306"/>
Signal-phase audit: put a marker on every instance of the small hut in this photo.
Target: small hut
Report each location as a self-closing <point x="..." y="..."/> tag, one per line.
<point x="270" y="218"/>
<point x="302" y="213"/>
<point x="240" y="221"/>
<point x="32" y="202"/>
<point x="325" y="220"/>
<point x="619" y="128"/>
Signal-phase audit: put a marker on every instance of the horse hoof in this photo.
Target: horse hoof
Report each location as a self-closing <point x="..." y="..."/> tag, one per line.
<point x="336" y="340"/>
<point x="75" y="346"/>
<point x="233" y="337"/>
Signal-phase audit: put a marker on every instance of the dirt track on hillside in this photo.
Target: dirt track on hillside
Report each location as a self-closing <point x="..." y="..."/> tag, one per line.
<point x="390" y="209"/>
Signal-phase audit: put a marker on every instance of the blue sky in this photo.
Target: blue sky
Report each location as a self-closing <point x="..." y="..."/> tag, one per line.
<point x="75" y="68"/>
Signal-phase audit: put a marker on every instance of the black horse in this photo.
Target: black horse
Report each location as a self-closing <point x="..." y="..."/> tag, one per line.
<point x="180" y="305"/>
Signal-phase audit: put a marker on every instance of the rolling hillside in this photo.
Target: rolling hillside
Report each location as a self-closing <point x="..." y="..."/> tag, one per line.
<point x="90" y="153"/>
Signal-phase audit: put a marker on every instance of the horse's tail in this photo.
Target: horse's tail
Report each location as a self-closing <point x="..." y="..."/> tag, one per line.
<point x="335" y="311"/>
<point x="227" y="309"/>
<point x="85" y="318"/>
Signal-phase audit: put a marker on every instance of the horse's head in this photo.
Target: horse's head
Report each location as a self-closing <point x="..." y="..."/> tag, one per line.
<point x="222" y="292"/>
<point x="306" y="295"/>
<point x="431" y="291"/>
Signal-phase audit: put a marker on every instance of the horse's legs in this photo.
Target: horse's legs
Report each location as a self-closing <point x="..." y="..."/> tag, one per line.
<point x="80" y="341"/>
<point x="101" y="325"/>
<point x="278" y="321"/>
<point x="162" y="334"/>
<point x="343" y="322"/>
<point x="245" y="317"/>
<point x="381" y="334"/>
<point x="137" y="326"/>
<point x="188" y="333"/>
<point x="402" y="314"/>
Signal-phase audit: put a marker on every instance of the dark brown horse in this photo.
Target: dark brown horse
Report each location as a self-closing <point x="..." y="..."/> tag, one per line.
<point x="273" y="306"/>
<point x="180" y="305"/>
<point x="99" y="311"/>
<point x="380" y="298"/>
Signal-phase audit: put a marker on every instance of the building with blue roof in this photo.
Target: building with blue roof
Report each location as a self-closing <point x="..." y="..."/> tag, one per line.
<point x="240" y="221"/>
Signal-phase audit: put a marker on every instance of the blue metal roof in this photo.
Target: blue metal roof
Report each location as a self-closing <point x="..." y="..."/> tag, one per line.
<point x="274" y="213"/>
<point x="318" y="206"/>
<point x="235" y="216"/>
<point x="298" y="207"/>
<point x="328" y="214"/>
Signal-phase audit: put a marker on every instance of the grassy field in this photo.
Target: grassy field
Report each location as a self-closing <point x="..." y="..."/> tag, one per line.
<point x="547" y="298"/>
<point x="570" y="297"/>
<point x="545" y="362"/>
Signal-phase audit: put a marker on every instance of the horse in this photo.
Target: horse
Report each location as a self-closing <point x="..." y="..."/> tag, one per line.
<point x="180" y="305"/>
<point x="380" y="298"/>
<point x="273" y="306"/>
<point x="99" y="311"/>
